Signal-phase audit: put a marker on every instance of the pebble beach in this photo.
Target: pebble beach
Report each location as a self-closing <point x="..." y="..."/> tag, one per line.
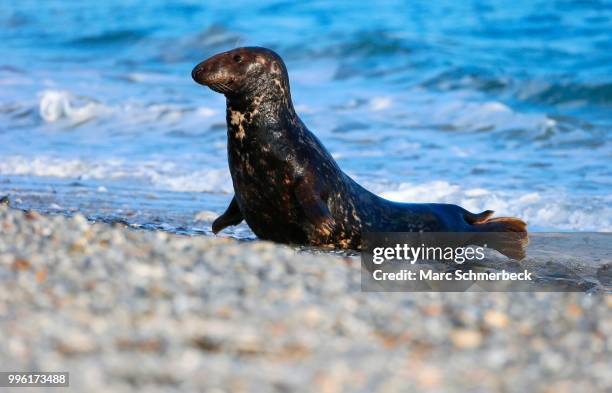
<point x="125" y="311"/>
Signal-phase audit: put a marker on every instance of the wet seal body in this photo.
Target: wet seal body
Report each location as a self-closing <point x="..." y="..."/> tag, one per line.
<point x="288" y="187"/>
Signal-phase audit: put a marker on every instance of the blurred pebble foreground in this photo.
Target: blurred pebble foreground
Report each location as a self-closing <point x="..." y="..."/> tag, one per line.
<point x="127" y="311"/>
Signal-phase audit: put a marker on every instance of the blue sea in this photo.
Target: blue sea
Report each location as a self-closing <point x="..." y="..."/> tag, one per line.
<point x="502" y="105"/>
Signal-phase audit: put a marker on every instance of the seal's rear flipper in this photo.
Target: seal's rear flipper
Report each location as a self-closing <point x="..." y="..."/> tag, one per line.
<point x="508" y="235"/>
<point x="472" y="218"/>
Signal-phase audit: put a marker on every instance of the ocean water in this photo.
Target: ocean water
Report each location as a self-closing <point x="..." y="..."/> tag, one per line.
<point x="487" y="104"/>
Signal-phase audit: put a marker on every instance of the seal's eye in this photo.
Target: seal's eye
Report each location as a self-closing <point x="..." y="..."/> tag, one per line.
<point x="237" y="58"/>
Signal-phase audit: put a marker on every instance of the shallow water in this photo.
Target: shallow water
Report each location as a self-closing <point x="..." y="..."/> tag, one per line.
<point x="489" y="105"/>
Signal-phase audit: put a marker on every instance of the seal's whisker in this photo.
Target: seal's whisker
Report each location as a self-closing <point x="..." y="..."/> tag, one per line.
<point x="220" y="87"/>
<point x="225" y="88"/>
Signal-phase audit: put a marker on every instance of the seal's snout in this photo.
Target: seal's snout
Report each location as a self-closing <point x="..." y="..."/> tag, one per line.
<point x="215" y="73"/>
<point x="205" y="74"/>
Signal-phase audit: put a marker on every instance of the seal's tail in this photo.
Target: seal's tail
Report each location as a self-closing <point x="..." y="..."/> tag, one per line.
<point x="510" y="237"/>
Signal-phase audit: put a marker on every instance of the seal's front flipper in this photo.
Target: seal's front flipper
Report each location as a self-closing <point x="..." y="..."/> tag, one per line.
<point x="232" y="216"/>
<point x="314" y="208"/>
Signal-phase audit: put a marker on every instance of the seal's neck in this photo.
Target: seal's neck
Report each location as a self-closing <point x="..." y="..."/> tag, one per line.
<point x="266" y="100"/>
<point x="248" y="116"/>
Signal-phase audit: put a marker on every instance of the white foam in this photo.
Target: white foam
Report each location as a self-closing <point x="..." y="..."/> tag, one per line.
<point x="61" y="106"/>
<point x="457" y="110"/>
<point x="206" y="215"/>
<point x="545" y="211"/>
<point x="58" y="104"/>
<point x="205" y="112"/>
<point x="380" y="103"/>
<point x="468" y="115"/>
<point x="149" y="77"/>
<point x="167" y="176"/>
<point x="209" y="180"/>
<point x="42" y="166"/>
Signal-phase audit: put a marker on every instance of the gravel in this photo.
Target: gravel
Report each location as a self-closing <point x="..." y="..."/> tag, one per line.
<point x="127" y="311"/>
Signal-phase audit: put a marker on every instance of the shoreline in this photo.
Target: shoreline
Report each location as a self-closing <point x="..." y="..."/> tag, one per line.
<point x="124" y="310"/>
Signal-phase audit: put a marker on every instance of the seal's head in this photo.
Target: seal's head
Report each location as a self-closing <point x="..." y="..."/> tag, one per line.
<point x="244" y="72"/>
